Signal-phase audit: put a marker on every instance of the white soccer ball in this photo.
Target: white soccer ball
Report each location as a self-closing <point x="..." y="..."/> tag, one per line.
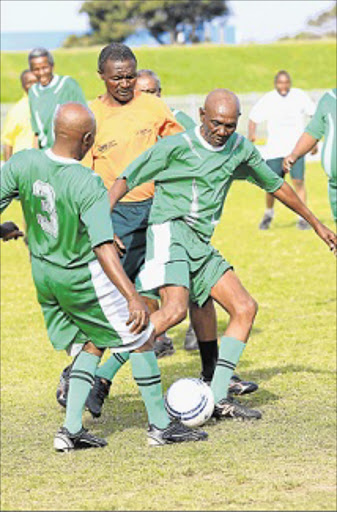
<point x="191" y="401"/>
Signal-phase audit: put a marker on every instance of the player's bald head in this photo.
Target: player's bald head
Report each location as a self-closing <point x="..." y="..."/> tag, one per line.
<point x="73" y="120"/>
<point x="222" y="101"/>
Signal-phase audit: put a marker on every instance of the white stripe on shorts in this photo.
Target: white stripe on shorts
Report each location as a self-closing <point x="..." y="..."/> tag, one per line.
<point x="115" y="309"/>
<point x="153" y="274"/>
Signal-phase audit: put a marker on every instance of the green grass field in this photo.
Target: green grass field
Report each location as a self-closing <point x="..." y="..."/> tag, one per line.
<point x="197" y="69"/>
<point x="284" y="462"/>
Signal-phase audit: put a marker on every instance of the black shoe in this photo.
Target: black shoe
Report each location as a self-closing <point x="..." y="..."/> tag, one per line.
<point x="63" y="387"/>
<point x="175" y="432"/>
<point x="64" y="441"/>
<point x="191" y="342"/>
<point x="303" y="225"/>
<point x="163" y="346"/>
<point x="238" y="386"/>
<point x="97" y="395"/>
<point x="230" y="408"/>
<point x="265" y="222"/>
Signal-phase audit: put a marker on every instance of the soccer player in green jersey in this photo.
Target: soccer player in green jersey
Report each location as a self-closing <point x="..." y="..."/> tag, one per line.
<point x="323" y="124"/>
<point x="87" y="300"/>
<point x="193" y="172"/>
<point x="44" y="97"/>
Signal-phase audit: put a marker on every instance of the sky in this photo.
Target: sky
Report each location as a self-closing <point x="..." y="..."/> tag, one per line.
<point x="256" y="20"/>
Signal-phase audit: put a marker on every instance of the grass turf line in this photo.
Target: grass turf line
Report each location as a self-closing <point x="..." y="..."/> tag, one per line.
<point x="284" y="462"/>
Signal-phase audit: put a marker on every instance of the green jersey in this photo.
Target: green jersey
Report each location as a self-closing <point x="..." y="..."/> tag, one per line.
<point x="183" y="119"/>
<point x="43" y="101"/>
<point x="192" y="178"/>
<point x="65" y="205"/>
<point x="323" y="124"/>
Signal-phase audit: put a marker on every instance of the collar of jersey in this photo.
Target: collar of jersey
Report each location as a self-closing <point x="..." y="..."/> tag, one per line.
<point x="60" y="159"/>
<point x="205" y="143"/>
<point x="51" y="84"/>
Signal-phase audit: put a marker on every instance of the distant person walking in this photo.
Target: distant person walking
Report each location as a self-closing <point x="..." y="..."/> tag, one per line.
<point x="17" y="132"/>
<point x="45" y="96"/>
<point x="284" y="109"/>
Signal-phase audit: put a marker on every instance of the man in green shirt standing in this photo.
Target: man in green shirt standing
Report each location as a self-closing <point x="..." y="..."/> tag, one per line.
<point x="45" y="96"/>
<point x="88" y="302"/>
<point x="193" y="172"/>
<point x="323" y="124"/>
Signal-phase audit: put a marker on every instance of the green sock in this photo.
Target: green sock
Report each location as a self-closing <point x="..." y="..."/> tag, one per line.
<point x="111" y="366"/>
<point x="80" y="383"/>
<point x="145" y="371"/>
<point x="229" y="355"/>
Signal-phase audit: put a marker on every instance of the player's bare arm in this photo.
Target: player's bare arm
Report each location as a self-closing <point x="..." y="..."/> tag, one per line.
<point x="109" y="260"/>
<point x="304" y="144"/>
<point x="287" y="196"/>
<point x="251" y="131"/>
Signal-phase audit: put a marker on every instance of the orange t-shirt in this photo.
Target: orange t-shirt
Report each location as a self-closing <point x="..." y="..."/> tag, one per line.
<point x="125" y="132"/>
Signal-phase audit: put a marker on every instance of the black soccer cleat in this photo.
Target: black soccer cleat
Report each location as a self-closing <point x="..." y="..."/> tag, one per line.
<point x="163" y="346"/>
<point x="97" y="395"/>
<point x="230" y="408"/>
<point x="238" y="386"/>
<point x="303" y="225"/>
<point x="265" y="222"/>
<point x="63" y="387"/>
<point x="191" y="342"/>
<point x="64" y="441"/>
<point x="175" y="432"/>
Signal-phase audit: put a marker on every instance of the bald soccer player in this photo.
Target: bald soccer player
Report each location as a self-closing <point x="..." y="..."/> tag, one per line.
<point x="193" y="172"/>
<point x="88" y="302"/>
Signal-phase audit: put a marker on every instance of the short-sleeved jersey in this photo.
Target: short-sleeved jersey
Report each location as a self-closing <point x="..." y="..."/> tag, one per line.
<point x="192" y="178"/>
<point x="65" y="205"/>
<point x="43" y="101"/>
<point x="125" y="132"/>
<point x="323" y="124"/>
<point x="285" y="116"/>
<point x="186" y="121"/>
<point x="17" y="131"/>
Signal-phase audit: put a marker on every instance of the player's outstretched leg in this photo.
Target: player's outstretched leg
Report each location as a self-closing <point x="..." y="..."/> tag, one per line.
<point x="72" y="435"/>
<point x="233" y="297"/>
<point x="161" y="430"/>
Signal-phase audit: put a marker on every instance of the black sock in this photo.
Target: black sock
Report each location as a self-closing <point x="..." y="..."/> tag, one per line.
<point x="209" y="357"/>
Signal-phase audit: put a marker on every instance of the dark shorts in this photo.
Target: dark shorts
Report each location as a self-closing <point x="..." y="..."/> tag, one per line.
<point x="296" y="172"/>
<point x="130" y="221"/>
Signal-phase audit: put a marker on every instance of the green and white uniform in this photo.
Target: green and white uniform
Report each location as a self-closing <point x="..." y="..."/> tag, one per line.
<point x="192" y="179"/>
<point x="66" y="210"/>
<point x="183" y="119"/>
<point x="323" y="124"/>
<point x="44" y="100"/>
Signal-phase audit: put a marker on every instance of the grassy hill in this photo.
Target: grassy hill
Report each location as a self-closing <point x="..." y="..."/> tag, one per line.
<point x="195" y="69"/>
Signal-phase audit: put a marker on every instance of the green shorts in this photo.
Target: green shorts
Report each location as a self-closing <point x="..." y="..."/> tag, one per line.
<point x="81" y="304"/>
<point x="130" y="221"/>
<point x="176" y="255"/>
<point x="296" y="172"/>
<point x="333" y="197"/>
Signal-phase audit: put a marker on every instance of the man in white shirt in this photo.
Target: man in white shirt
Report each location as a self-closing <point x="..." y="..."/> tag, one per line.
<point x="284" y="109"/>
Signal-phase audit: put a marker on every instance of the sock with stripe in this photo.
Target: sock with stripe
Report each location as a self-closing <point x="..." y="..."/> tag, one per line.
<point x="209" y="356"/>
<point x="80" y="382"/>
<point x="145" y="371"/>
<point x="229" y="355"/>
<point x="111" y="366"/>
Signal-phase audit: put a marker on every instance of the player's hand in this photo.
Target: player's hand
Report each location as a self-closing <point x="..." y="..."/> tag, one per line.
<point x="139" y="314"/>
<point x="288" y="162"/>
<point x="10" y="230"/>
<point x="119" y="246"/>
<point x="328" y="236"/>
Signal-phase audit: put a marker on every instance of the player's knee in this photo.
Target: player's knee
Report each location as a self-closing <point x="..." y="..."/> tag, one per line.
<point x="247" y="310"/>
<point x="176" y="313"/>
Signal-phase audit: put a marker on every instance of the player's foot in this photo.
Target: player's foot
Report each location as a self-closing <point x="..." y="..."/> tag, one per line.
<point x="191" y="342"/>
<point x="175" y="432"/>
<point x="63" y="387"/>
<point x="97" y="395"/>
<point x="64" y="441"/>
<point x="230" y="408"/>
<point x="303" y="225"/>
<point x="265" y="222"/>
<point x="237" y="386"/>
<point x="163" y="346"/>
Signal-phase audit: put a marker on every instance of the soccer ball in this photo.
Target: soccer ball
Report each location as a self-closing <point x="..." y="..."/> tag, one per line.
<point x="191" y="401"/>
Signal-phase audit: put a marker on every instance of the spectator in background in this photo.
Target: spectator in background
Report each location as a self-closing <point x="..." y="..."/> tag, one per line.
<point x="17" y="132"/>
<point x="45" y="96"/>
<point x="284" y="109"/>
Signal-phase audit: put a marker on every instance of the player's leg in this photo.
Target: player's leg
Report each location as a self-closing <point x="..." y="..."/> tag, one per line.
<point x="333" y="197"/>
<point x="297" y="176"/>
<point x="241" y="307"/>
<point x="205" y="326"/>
<point x="276" y="165"/>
